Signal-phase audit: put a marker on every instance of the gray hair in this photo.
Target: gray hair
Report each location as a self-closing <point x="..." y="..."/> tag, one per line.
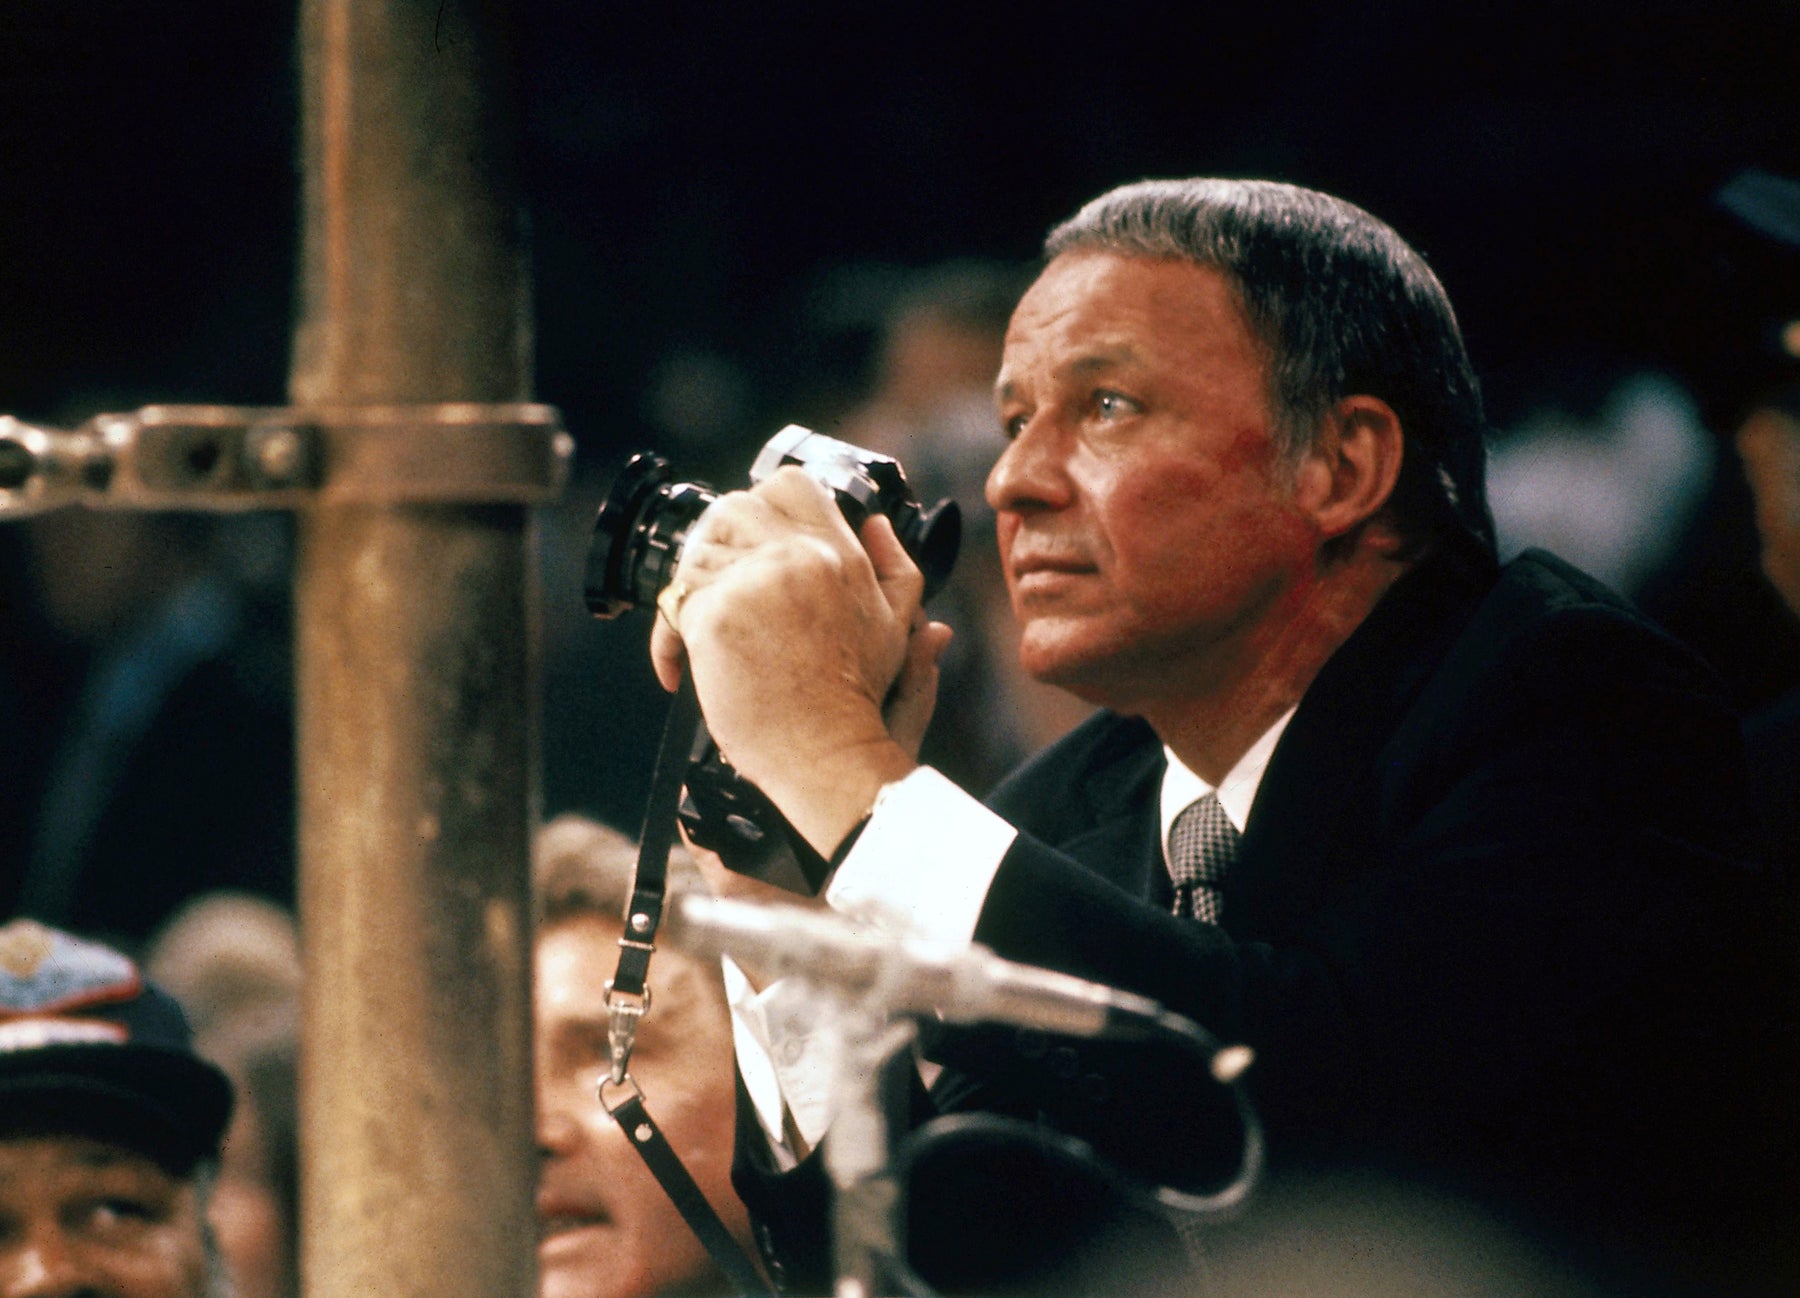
<point x="1342" y="305"/>
<point x="581" y="867"/>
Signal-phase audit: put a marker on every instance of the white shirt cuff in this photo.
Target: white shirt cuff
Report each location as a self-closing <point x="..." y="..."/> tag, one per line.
<point x="923" y="864"/>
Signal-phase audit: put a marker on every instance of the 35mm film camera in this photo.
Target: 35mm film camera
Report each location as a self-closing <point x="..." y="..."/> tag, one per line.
<point x="638" y="536"/>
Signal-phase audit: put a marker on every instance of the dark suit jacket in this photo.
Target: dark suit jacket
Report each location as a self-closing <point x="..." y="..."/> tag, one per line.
<point x="1494" y="921"/>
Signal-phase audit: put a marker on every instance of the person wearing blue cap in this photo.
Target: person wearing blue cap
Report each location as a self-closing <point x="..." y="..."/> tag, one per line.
<point x="110" y="1128"/>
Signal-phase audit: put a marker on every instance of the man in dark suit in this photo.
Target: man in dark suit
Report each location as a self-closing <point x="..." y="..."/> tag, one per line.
<point x="1461" y="852"/>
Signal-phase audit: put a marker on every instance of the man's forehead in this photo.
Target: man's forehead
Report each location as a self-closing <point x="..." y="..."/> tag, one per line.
<point x="1085" y="290"/>
<point x="1102" y="309"/>
<point x="1087" y="270"/>
<point x="35" y="1155"/>
<point x="578" y="954"/>
<point x="1103" y="356"/>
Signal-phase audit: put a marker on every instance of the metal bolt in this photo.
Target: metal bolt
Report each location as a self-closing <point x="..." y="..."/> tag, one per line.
<point x="17" y="464"/>
<point x="643" y="1133"/>
<point x="278" y="453"/>
<point x="640" y="923"/>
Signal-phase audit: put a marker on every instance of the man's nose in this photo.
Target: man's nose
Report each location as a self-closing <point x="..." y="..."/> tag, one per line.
<point x="1030" y="472"/>
<point x="557" y="1129"/>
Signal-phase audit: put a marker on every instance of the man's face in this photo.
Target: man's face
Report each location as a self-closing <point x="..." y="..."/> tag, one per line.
<point x="606" y="1228"/>
<point x="1146" y="522"/>
<point x="83" y="1217"/>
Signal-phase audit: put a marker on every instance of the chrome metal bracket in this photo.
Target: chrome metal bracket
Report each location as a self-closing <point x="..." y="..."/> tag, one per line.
<point x="223" y="458"/>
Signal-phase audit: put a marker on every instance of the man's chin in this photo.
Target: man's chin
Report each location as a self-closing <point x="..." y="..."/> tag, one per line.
<point x="1128" y="670"/>
<point x="1068" y="665"/>
<point x="580" y="1262"/>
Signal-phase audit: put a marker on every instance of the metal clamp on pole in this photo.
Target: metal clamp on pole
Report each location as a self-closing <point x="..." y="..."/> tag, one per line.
<point x="239" y="458"/>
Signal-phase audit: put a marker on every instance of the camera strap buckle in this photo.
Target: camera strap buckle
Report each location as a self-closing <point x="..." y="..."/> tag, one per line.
<point x="623" y="1012"/>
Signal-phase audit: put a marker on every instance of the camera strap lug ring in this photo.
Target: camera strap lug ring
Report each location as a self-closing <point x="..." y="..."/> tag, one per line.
<point x="628" y="1082"/>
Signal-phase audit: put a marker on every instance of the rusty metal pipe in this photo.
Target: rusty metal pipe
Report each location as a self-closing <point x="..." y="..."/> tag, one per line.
<point x="417" y="672"/>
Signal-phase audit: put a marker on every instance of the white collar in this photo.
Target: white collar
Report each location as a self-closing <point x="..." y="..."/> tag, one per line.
<point x="1181" y="788"/>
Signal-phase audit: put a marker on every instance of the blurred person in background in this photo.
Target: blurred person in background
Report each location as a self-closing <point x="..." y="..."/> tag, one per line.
<point x="109" y="1128"/>
<point x="932" y="408"/>
<point x="145" y="690"/>
<point x="233" y="961"/>
<point x="1768" y="445"/>
<point x="1607" y="469"/>
<point x="1768" y="442"/>
<point x="606" y="1227"/>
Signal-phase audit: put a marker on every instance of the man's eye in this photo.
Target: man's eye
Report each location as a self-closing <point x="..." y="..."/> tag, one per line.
<point x="1012" y="426"/>
<point x="1112" y="405"/>
<point x="118" y="1212"/>
<point x="592" y="1046"/>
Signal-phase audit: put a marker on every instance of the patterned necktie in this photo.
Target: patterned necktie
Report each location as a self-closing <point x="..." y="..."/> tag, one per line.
<point x="1202" y="844"/>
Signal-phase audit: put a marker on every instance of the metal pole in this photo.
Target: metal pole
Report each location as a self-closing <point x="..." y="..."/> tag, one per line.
<point x="417" y="673"/>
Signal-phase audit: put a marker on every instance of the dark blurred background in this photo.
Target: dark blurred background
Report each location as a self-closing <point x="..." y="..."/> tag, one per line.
<point x="726" y="201"/>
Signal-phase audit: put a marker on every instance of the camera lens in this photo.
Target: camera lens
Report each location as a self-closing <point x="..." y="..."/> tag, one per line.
<point x="933" y="537"/>
<point x="638" y="535"/>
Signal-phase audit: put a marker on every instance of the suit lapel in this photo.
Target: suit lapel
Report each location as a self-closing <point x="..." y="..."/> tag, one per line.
<point x="1105" y="775"/>
<point x="1125" y="849"/>
<point x="1120" y="840"/>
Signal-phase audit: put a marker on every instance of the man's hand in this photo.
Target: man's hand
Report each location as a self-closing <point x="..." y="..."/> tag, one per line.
<point x="814" y="665"/>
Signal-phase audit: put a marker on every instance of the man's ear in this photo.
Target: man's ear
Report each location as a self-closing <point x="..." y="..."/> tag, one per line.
<point x="1348" y="475"/>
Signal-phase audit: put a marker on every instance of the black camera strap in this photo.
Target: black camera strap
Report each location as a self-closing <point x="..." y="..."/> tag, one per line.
<point x="628" y="997"/>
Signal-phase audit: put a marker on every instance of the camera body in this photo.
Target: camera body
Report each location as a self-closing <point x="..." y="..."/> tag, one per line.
<point x="646" y="517"/>
<point x="638" y="536"/>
